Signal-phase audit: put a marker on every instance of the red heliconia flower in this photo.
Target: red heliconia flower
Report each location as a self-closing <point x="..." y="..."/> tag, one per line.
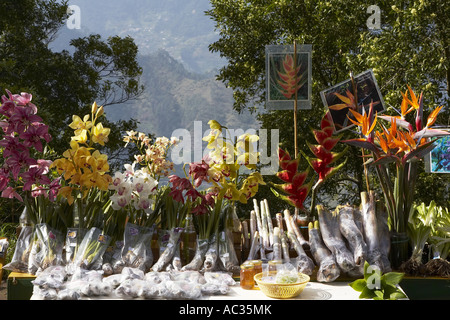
<point x="322" y="152"/>
<point x="294" y="187"/>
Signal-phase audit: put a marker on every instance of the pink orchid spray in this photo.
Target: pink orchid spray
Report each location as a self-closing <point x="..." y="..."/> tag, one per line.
<point x="23" y="134"/>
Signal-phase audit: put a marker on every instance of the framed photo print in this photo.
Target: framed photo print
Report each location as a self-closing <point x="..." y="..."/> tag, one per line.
<point x="340" y="98"/>
<point x="438" y="160"/>
<point x="286" y="74"/>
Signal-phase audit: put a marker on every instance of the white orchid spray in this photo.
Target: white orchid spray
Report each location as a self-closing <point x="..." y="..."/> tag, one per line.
<point x="134" y="191"/>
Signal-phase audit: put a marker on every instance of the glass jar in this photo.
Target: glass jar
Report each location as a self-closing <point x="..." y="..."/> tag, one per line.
<point x="247" y="274"/>
<point x="273" y="265"/>
<point x="258" y="265"/>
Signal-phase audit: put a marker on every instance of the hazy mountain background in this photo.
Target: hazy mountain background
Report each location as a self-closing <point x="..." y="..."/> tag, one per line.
<point x="178" y="69"/>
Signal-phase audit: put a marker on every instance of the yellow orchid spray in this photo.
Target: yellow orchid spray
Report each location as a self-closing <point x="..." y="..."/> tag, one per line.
<point x="82" y="167"/>
<point x="225" y="161"/>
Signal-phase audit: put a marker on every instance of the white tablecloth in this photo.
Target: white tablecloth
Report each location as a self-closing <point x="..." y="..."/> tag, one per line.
<point x="312" y="291"/>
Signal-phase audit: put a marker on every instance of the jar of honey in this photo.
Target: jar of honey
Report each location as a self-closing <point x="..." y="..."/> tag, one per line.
<point x="258" y="265"/>
<point x="247" y="281"/>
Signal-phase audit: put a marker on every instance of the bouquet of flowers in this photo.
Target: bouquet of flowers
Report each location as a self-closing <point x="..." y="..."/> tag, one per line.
<point x="399" y="147"/>
<point x="26" y="177"/>
<point x="84" y="171"/>
<point x="220" y="169"/>
<point x="136" y="195"/>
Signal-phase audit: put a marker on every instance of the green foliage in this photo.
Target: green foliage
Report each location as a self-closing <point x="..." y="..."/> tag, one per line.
<point x="63" y="83"/>
<point x="378" y="286"/>
<point x="410" y="49"/>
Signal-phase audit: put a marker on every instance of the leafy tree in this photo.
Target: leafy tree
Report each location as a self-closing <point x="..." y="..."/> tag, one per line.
<point x="64" y="83"/>
<point x="410" y="49"/>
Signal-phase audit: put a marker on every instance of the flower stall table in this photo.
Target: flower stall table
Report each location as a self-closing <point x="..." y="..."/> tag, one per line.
<point x="339" y="290"/>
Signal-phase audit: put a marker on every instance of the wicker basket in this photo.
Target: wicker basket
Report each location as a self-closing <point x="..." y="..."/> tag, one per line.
<point x="279" y="290"/>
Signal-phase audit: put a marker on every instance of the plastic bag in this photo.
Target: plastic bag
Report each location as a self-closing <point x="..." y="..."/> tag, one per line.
<point x="136" y="252"/>
<point x="4" y="244"/>
<point x="90" y="253"/>
<point x="68" y="294"/>
<point x="214" y="289"/>
<point x="227" y="253"/>
<point x="211" y="254"/>
<point x="53" y="277"/>
<point x="51" y="246"/>
<point x="286" y="273"/>
<point x="182" y="290"/>
<point x="190" y="276"/>
<point x="74" y="236"/>
<point x="130" y="288"/>
<point x="149" y="290"/>
<point x="219" y="278"/>
<point x="199" y="257"/>
<point x="217" y="283"/>
<point x="166" y="256"/>
<point x="132" y="273"/>
<point x="19" y="261"/>
<point x="113" y="280"/>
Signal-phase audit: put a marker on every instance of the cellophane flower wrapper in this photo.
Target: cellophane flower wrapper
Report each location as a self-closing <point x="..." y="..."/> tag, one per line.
<point x="211" y="254"/>
<point x="4" y="244"/>
<point x="163" y="239"/>
<point x="19" y="261"/>
<point x="51" y="244"/>
<point x="227" y="253"/>
<point x="74" y="237"/>
<point x="136" y="252"/>
<point x="166" y="257"/>
<point x="199" y="257"/>
<point x="112" y="259"/>
<point x="90" y="253"/>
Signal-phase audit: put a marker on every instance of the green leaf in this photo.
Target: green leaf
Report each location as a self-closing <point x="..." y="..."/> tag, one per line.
<point x="392" y="292"/>
<point x="367" y="294"/>
<point x="361" y="143"/>
<point x="379" y="294"/>
<point x="358" y="285"/>
<point x="397" y="295"/>
<point x="393" y="278"/>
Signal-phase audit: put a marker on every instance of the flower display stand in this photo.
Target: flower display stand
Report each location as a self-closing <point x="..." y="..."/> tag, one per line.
<point x="428" y="288"/>
<point x="19" y="286"/>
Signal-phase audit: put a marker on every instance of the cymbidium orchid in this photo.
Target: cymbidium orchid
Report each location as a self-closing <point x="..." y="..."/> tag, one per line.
<point x="82" y="166"/>
<point x="153" y="155"/>
<point x="84" y="171"/>
<point x="403" y="144"/>
<point x="226" y="159"/>
<point x="135" y="192"/>
<point x="23" y="175"/>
